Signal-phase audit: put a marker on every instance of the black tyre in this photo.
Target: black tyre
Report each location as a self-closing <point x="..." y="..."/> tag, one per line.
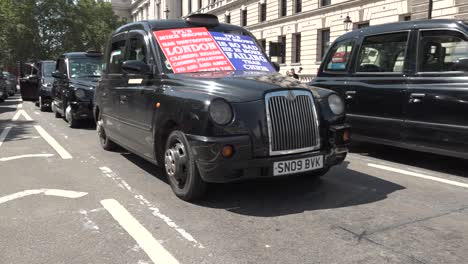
<point x="72" y="122"/>
<point x="41" y="105"/>
<point x="54" y="109"/>
<point x="181" y="169"/>
<point x="106" y="143"/>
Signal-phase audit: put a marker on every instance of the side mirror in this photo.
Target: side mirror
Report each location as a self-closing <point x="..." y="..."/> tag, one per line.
<point x="276" y="66"/>
<point x="135" y="66"/>
<point x="58" y="75"/>
<point x="462" y="65"/>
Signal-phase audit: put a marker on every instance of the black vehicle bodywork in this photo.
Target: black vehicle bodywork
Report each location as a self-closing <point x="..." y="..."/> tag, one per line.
<point x="141" y="117"/>
<point x="3" y="87"/>
<point x="412" y="108"/>
<point x="45" y="83"/>
<point x="65" y="101"/>
<point x="10" y="83"/>
<point x="29" y="82"/>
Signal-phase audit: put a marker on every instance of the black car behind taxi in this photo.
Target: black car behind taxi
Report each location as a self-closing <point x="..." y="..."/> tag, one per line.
<point x="202" y="100"/>
<point x="75" y="76"/>
<point x="405" y="84"/>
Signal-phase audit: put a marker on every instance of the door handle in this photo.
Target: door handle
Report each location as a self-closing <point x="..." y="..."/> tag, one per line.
<point x="416" y="97"/>
<point x="350" y="94"/>
<point x="123" y="99"/>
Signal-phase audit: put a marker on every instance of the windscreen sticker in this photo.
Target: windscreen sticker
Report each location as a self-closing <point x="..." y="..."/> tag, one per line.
<point x="192" y="50"/>
<point x="243" y="52"/>
<point x="198" y="50"/>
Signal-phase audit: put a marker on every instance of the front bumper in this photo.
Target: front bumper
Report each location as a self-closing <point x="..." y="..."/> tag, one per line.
<point x="213" y="167"/>
<point x="82" y="110"/>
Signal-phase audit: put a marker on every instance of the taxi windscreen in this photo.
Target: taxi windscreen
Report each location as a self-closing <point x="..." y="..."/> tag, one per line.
<point x="189" y="50"/>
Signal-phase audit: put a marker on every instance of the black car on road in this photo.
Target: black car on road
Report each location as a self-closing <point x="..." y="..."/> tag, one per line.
<point x="74" y="83"/>
<point x="45" y="70"/>
<point x="11" y="83"/>
<point x="405" y="84"/>
<point x="29" y="82"/>
<point x="202" y="100"/>
<point x="3" y="87"/>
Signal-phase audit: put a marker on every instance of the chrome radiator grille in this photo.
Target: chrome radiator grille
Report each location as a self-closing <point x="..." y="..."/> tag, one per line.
<point x="292" y="122"/>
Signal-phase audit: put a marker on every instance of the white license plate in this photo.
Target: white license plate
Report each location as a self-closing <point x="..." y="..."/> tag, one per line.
<point x="297" y="166"/>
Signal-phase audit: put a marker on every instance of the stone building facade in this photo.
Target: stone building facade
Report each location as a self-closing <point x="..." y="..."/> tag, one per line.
<point x="306" y="27"/>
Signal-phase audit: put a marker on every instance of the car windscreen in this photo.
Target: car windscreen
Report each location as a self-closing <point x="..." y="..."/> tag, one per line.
<point x="48" y="68"/>
<point x="191" y="50"/>
<point x="85" y="67"/>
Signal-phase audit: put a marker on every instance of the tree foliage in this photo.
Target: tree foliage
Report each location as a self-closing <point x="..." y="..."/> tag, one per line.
<point x="43" y="29"/>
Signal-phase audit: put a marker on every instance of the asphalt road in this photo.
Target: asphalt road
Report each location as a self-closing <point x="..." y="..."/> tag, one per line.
<point x="65" y="200"/>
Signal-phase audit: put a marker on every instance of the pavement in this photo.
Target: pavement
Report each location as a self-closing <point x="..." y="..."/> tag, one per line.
<point x="63" y="199"/>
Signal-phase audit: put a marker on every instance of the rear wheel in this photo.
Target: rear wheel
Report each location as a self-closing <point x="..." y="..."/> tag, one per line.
<point x="106" y="143"/>
<point x="181" y="169"/>
<point x="72" y="122"/>
<point x="41" y="105"/>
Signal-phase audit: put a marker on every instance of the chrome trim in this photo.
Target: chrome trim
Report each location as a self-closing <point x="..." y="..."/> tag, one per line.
<point x="285" y="93"/>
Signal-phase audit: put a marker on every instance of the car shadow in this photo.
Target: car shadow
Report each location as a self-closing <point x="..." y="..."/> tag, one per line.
<point x="20" y="130"/>
<point x="428" y="161"/>
<point x="341" y="187"/>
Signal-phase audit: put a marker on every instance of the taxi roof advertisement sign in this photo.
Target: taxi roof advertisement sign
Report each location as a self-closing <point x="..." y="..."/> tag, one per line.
<point x="198" y="50"/>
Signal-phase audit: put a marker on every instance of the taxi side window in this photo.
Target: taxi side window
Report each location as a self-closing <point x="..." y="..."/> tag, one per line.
<point x="439" y="50"/>
<point x="340" y="57"/>
<point x="383" y="53"/>
<point x="116" y="57"/>
<point x="137" y="50"/>
<point x="62" y="67"/>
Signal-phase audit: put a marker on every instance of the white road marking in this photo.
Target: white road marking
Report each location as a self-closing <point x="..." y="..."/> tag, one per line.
<point x="21" y="112"/>
<point x="155" y="211"/>
<point x="4" y="134"/>
<point x="60" y="150"/>
<point x="142" y="236"/>
<point x="27" y="156"/>
<point x="37" y="113"/>
<point x="419" y="175"/>
<point x="52" y="192"/>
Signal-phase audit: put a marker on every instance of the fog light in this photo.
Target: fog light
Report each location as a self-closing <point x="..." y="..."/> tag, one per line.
<point x="227" y="151"/>
<point x="346" y="136"/>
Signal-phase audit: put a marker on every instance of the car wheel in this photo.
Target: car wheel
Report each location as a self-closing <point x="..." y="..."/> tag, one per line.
<point x="54" y="109"/>
<point x="41" y="105"/>
<point x="72" y="122"/>
<point x="106" y="143"/>
<point x="181" y="169"/>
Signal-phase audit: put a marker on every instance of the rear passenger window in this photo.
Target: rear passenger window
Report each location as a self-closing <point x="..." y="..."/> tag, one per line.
<point x="439" y="50"/>
<point x="383" y="53"/>
<point x="116" y="57"/>
<point x="340" y="57"/>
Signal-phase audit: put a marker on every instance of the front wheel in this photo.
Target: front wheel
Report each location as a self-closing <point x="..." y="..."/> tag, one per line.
<point x="181" y="169"/>
<point x="54" y="109"/>
<point x="41" y="105"/>
<point x="72" y="122"/>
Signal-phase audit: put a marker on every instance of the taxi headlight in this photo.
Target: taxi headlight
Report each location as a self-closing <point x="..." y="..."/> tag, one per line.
<point x="336" y="104"/>
<point x="221" y="112"/>
<point x="80" y="93"/>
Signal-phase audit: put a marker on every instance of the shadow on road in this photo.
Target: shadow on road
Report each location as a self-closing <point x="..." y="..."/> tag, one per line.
<point x="407" y="157"/>
<point x="19" y="129"/>
<point x="341" y="187"/>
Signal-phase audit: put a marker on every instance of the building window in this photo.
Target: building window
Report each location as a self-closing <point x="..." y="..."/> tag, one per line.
<point x="282" y="58"/>
<point x="262" y="43"/>
<point x="324" y="42"/>
<point x="298" y="6"/>
<point x="296" y="48"/>
<point x="406" y="17"/>
<point x="227" y="19"/>
<point x="244" y="17"/>
<point x="361" y="25"/>
<point x="263" y="12"/>
<point x="283" y="8"/>
<point x="325" y="2"/>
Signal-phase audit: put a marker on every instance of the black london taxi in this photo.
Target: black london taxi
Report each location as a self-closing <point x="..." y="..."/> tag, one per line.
<point x="202" y="100"/>
<point x="45" y="70"/>
<point x="404" y="84"/>
<point x="11" y="83"/>
<point x="3" y="87"/>
<point x="29" y="80"/>
<point x="75" y="79"/>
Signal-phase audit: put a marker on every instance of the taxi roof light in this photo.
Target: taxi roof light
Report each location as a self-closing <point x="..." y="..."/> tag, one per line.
<point x="207" y="20"/>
